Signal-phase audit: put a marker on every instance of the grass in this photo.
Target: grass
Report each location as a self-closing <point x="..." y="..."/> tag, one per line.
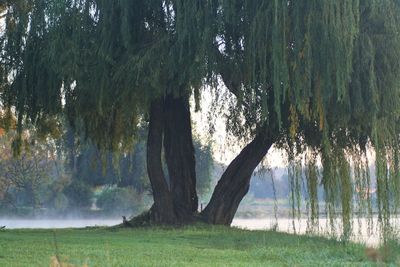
<point x="188" y="246"/>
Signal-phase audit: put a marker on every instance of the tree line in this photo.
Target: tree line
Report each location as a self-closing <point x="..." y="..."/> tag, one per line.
<point x="49" y="178"/>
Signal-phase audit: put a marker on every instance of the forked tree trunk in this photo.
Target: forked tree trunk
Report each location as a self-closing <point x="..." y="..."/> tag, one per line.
<point x="235" y="181"/>
<point x="176" y="202"/>
<point x="163" y="209"/>
<point x="179" y="156"/>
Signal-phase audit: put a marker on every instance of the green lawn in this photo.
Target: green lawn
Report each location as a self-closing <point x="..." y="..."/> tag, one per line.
<point x="189" y="246"/>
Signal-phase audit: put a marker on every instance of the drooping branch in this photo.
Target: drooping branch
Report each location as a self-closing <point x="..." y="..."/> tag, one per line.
<point x="229" y="72"/>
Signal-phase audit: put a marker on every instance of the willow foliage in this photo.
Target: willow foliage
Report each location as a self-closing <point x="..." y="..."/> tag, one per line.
<point x="327" y="73"/>
<point x="100" y="62"/>
<point x="323" y="73"/>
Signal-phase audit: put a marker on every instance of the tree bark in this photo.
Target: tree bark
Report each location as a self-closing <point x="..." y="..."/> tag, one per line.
<point x="163" y="209"/>
<point x="235" y="181"/>
<point x="179" y="155"/>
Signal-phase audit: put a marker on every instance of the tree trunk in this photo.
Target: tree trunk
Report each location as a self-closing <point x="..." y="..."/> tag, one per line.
<point x="176" y="202"/>
<point x="179" y="155"/>
<point x="235" y="181"/>
<point x="163" y="209"/>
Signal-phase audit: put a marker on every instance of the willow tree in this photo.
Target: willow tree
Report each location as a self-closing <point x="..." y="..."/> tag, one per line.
<point x="314" y="77"/>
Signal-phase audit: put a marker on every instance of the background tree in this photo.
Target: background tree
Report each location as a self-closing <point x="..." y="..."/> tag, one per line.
<point x="23" y="177"/>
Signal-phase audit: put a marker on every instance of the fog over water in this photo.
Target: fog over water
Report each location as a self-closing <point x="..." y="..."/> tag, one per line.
<point x="364" y="233"/>
<point x="56" y="223"/>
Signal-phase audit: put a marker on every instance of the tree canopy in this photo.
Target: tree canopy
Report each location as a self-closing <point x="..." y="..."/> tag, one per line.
<point x="316" y="78"/>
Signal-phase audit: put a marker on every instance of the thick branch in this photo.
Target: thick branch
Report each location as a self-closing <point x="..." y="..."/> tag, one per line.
<point x="235" y="182"/>
<point x="179" y="155"/>
<point x="163" y="207"/>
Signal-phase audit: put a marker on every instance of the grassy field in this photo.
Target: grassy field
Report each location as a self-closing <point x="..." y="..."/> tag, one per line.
<point x="189" y="246"/>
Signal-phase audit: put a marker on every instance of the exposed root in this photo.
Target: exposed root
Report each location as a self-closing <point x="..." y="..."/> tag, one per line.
<point x="151" y="218"/>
